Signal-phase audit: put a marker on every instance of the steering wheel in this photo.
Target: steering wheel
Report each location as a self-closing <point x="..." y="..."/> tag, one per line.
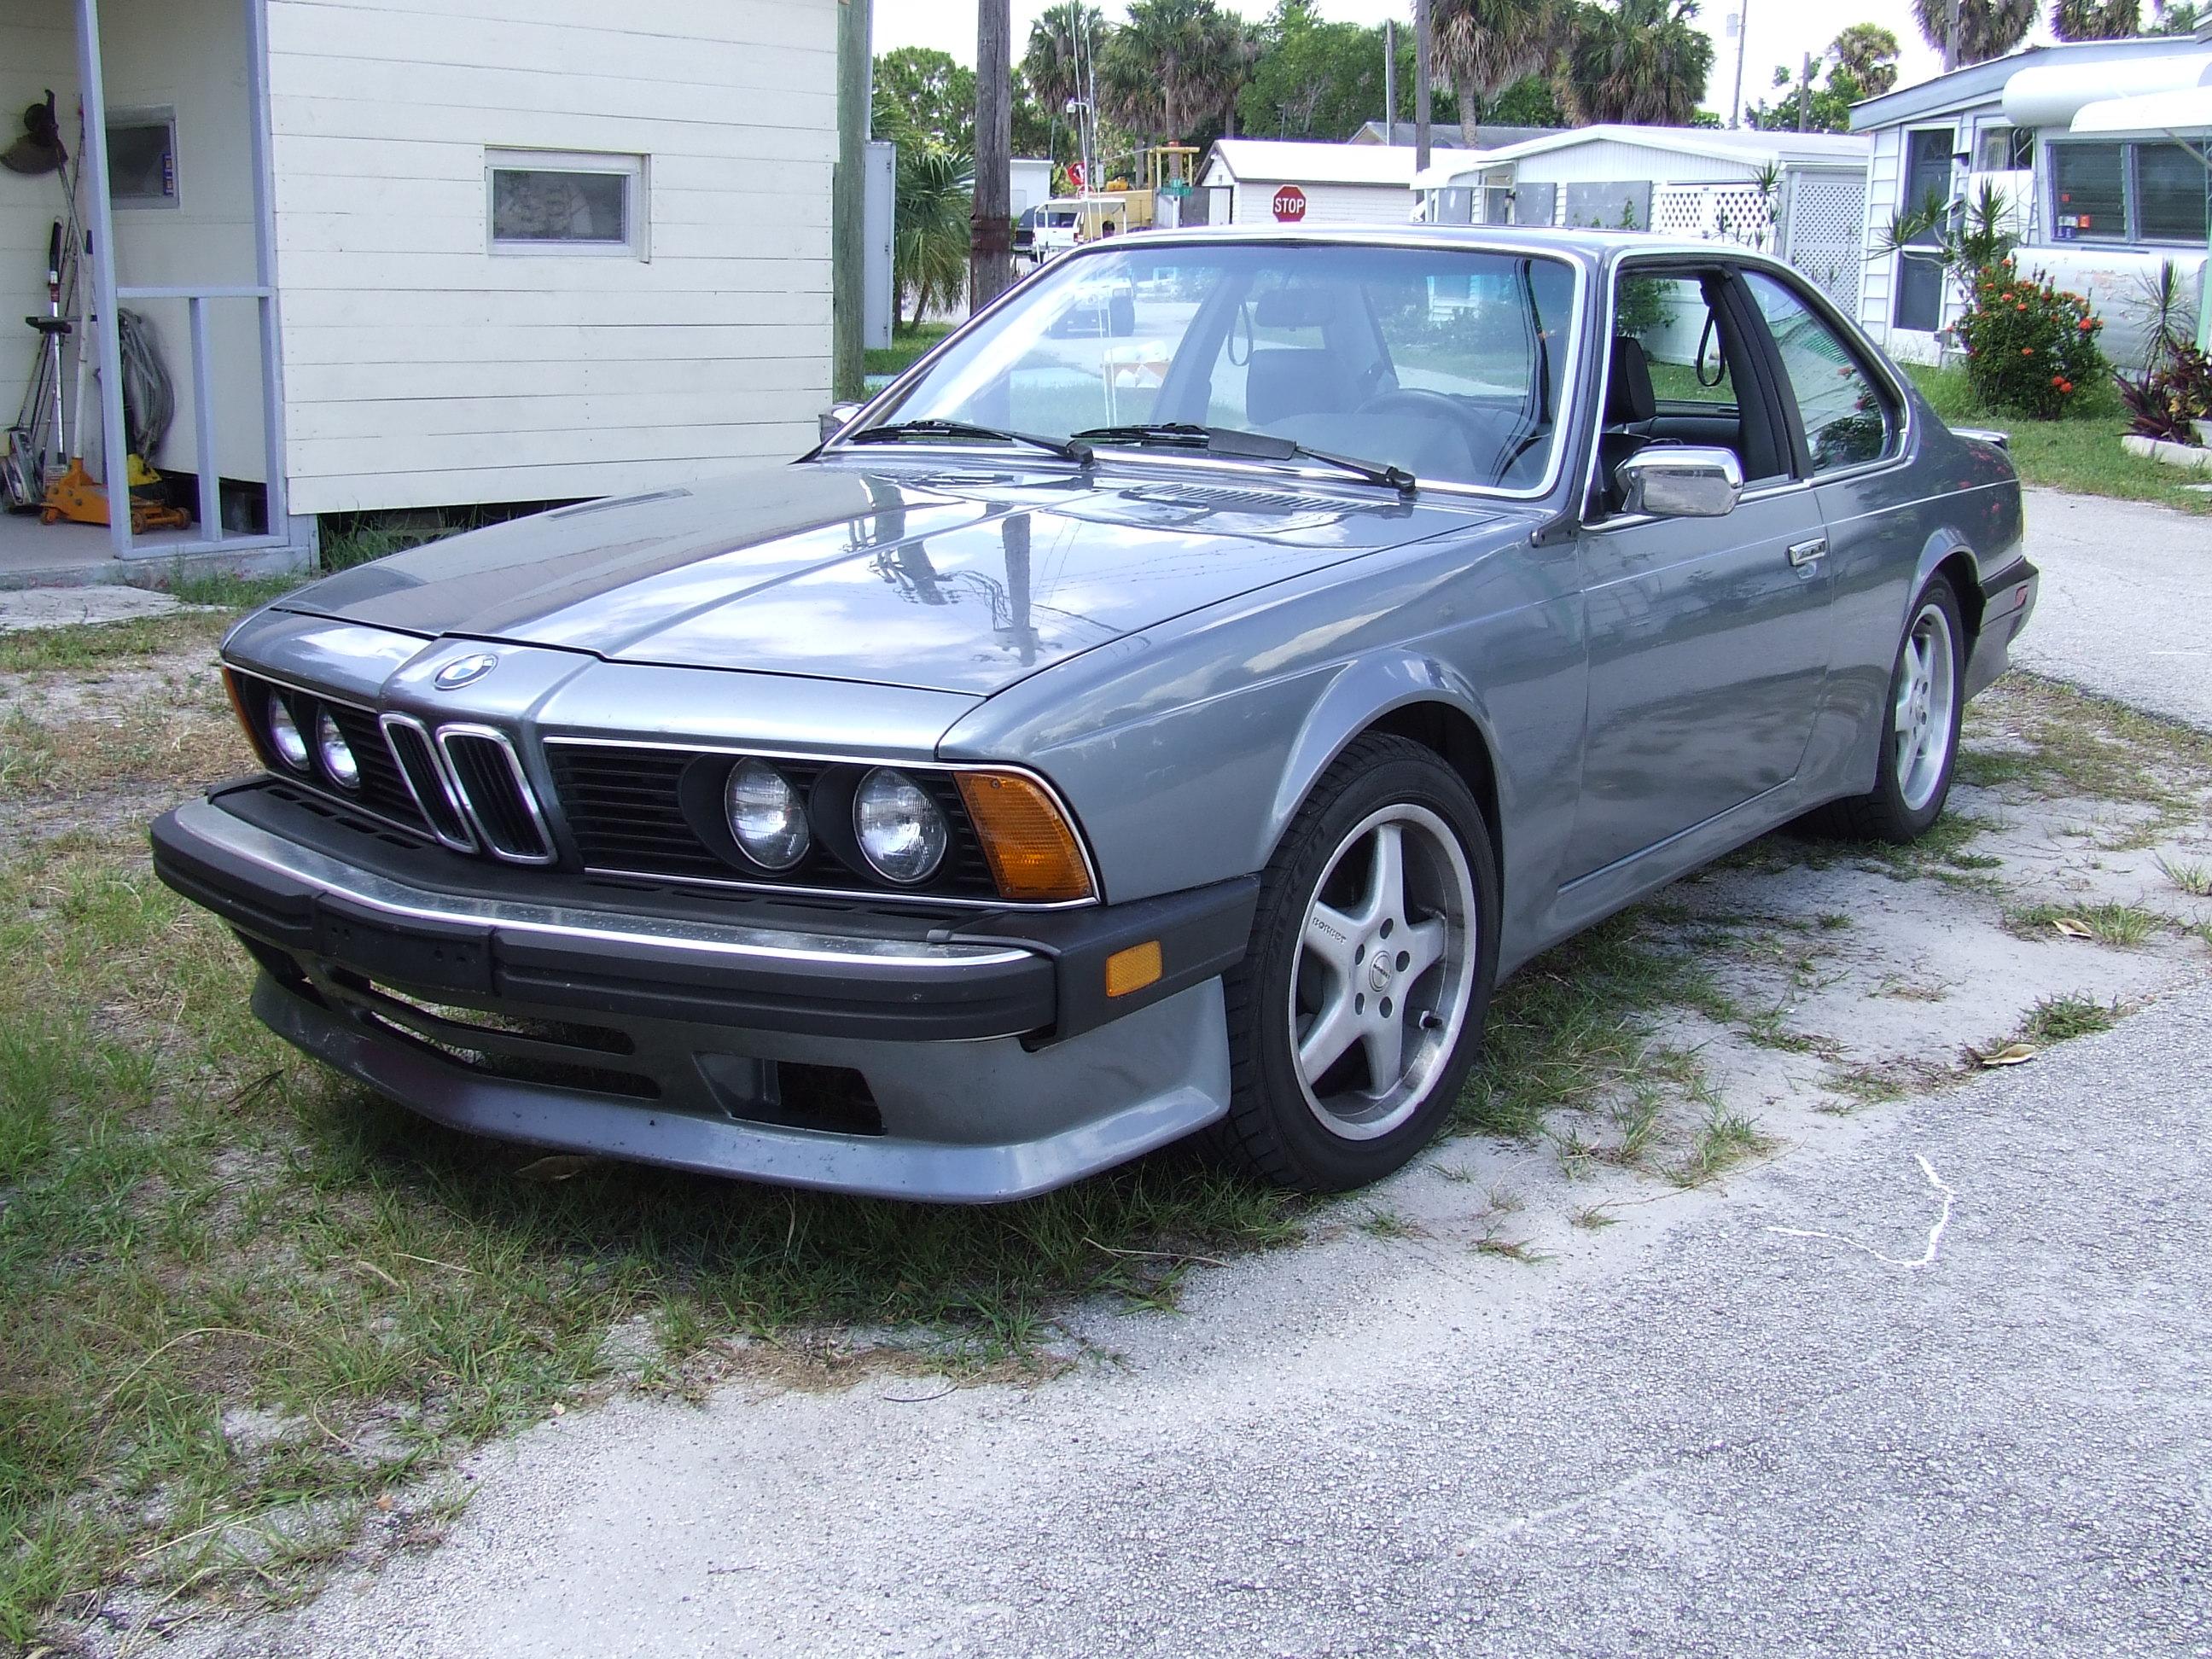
<point x="1412" y="400"/>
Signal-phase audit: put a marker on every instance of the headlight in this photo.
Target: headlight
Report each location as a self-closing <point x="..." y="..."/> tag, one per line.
<point x="284" y="735"/>
<point x="337" y="756"/>
<point x="901" y="831"/>
<point x="766" y="816"/>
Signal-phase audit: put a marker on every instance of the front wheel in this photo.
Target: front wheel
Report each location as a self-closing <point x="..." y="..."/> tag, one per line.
<point x="1919" y="732"/>
<point x="1357" y="1011"/>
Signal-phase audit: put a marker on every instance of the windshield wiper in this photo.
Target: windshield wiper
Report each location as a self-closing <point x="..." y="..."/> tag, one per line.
<point x="1068" y="449"/>
<point x="1251" y="446"/>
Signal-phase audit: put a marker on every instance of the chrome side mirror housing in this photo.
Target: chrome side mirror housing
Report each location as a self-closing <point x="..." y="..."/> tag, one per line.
<point x="835" y="418"/>
<point x="1685" y="481"/>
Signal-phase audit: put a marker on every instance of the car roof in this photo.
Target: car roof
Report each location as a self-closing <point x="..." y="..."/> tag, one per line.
<point x="1583" y="244"/>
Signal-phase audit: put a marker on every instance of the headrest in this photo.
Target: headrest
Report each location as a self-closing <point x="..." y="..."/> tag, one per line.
<point x="1628" y="395"/>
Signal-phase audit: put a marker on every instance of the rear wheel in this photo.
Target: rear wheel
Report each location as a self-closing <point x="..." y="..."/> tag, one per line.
<point x="1357" y="1010"/>
<point x="1920" y="730"/>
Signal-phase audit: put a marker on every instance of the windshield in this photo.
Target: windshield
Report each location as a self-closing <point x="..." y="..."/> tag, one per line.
<point x="1444" y="362"/>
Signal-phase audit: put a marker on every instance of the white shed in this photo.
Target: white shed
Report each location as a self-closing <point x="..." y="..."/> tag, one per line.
<point x="1798" y="194"/>
<point x="1248" y="181"/>
<point x="431" y="252"/>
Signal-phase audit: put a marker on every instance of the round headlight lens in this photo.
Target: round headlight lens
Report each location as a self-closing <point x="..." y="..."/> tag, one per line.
<point x="337" y="756"/>
<point x="901" y="831"/>
<point x="766" y="815"/>
<point x="285" y="737"/>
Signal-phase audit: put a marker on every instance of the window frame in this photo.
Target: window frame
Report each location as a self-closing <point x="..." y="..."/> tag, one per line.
<point x="1898" y="428"/>
<point x="2011" y="135"/>
<point x="634" y="171"/>
<point x="2132" y="231"/>
<point x="2133" y="174"/>
<point x="147" y="115"/>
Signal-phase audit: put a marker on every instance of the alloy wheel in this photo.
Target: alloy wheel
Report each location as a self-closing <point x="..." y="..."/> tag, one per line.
<point x="1380" y="989"/>
<point x="1927" y="687"/>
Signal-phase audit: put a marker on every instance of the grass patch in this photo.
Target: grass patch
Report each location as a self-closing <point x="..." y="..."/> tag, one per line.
<point x="2081" y="452"/>
<point x="1725" y="1139"/>
<point x="2194" y="879"/>
<point x="2058" y="1020"/>
<point x="905" y="349"/>
<point x="2123" y="925"/>
<point x="134" y="642"/>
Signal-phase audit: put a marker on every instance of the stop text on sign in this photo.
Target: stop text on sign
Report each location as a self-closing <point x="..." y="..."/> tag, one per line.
<point x="1290" y="204"/>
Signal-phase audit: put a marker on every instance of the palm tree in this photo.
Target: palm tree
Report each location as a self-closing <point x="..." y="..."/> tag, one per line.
<point x="1868" y="53"/>
<point x="2096" y="19"/>
<point x="1987" y="28"/>
<point x="1174" y="66"/>
<point x="932" y="200"/>
<point x="1638" y="61"/>
<point x="1063" y="44"/>
<point x="1483" y="46"/>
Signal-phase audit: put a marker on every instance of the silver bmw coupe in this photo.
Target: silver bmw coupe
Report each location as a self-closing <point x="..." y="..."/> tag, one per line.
<point x="1135" y="722"/>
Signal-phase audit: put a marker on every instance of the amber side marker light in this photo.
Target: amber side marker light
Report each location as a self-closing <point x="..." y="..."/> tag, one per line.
<point x="1134" y="968"/>
<point x="1032" y="852"/>
<point x="237" y="697"/>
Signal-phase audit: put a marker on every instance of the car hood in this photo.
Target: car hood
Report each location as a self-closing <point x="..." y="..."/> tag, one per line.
<point x="955" y="581"/>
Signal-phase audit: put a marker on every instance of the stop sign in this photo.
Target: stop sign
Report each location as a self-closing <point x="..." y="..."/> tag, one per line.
<point x="1290" y="204"/>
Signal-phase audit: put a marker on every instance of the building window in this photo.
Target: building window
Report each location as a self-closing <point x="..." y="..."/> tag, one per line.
<point x="141" y="158"/>
<point x="2169" y="187"/>
<point x="2006" y="149"/>
<point x="565" y="202"/>
<point x="2088" y="193"/>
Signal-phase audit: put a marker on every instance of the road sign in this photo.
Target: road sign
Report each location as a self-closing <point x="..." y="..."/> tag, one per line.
<point x="1290" y="204"/>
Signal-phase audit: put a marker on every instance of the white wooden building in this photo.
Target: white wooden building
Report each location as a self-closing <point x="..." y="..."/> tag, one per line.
<point x="2097" y="213"/>
<point x="1798" y="194"/>
<point x="1265" y="181"/>
<point x="429" y="252"/>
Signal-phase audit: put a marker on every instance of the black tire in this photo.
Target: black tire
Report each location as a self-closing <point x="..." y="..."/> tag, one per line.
<point x="1888" y="812"/>
<point x="1274" y="1129"/>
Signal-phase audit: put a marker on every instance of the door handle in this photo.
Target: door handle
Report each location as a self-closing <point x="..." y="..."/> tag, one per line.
<point x="1804" y="553"/>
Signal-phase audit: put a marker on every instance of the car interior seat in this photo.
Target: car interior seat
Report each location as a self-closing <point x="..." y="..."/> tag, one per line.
<point x="1281" y="382"/>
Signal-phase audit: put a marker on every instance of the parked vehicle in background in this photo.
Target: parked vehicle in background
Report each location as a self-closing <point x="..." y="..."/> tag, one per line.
<point x="1107" y="738"/>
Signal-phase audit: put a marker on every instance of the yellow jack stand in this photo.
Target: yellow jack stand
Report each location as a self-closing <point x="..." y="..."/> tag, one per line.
<point x="75" y="497"/>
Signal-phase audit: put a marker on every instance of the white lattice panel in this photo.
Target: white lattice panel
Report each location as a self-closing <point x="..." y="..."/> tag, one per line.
<point x="1825" y="236"/>
<point x="1738" y="213"/>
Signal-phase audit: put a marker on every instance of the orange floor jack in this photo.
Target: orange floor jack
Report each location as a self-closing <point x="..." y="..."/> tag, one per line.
<point x="75" y="495"/>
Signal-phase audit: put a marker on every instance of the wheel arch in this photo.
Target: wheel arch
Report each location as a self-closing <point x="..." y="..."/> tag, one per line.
<point x="1947" y="555"/>
<point x="1414" y="697"/>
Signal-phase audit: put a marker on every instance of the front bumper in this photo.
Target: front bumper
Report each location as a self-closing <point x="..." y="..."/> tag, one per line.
<point x="858" y="1050"/>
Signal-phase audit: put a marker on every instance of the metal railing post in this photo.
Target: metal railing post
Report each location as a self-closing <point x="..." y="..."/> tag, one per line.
<point x="204" y="422"/>
<point x="99" y="215"/>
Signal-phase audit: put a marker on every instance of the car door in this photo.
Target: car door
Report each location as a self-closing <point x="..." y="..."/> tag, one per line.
<point x="1707" y="637"/>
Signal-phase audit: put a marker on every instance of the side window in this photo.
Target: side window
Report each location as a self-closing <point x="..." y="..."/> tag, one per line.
<point x="1668" y="316"/>
<point x="1848" y="417"/>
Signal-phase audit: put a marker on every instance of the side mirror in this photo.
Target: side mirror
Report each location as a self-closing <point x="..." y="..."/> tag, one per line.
<point x="1680" y="482"/>
<point x="835" y="418"/>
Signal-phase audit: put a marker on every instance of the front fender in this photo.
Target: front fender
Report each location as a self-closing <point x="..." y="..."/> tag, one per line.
<point x="1362" y="692"/>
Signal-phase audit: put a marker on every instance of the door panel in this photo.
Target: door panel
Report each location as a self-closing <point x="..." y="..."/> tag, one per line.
<point x="1708" y="654"/>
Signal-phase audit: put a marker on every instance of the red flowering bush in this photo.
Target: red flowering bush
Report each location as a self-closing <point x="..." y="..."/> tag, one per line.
<point x="2031" y="347"/>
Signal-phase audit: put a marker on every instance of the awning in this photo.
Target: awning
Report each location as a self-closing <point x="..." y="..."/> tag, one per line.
<point x="2186" y="113"/>
<point x="2052" y="95"/>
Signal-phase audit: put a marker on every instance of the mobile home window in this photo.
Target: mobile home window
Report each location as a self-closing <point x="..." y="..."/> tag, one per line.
<point x="141" y="158"/>
<point x="2170" y="183"/>
<point x="2088" y="195"/>
<point x="2006" y="149"/>
<point x="543" y="202"/>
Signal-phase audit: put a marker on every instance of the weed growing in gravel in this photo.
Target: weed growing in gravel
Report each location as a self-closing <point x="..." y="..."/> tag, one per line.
<point x="2124" y="925"/>
<point x="2194" y="879"/>
<point x="2056" y="1019"/>
<point x="1724" y="1140"/>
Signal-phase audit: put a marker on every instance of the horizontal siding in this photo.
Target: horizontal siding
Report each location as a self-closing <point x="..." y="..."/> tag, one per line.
<point x="422" y="369"/>
<point x="1602" y="160"/>
<point x="1882" y="186"/>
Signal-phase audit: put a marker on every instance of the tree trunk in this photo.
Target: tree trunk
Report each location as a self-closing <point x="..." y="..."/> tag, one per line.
<point x="1470" y="109"/>
<point x="990" y="232"/>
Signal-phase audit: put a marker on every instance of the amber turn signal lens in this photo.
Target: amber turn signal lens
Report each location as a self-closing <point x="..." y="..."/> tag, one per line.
<point x="1134" y="968"/>
<point x="1032" y="852"/>
<point x="237" y="697"/>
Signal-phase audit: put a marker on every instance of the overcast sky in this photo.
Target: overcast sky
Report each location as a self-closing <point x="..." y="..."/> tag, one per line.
<point x="1780" y="31"/>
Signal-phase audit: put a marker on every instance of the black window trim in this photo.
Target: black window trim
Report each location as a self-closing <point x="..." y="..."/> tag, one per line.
<point x="1900" y="405"/>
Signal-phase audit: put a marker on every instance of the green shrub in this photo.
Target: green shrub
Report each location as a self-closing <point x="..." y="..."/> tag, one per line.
<point x="2031" y="346"/>
<point x="2169" y="401"/>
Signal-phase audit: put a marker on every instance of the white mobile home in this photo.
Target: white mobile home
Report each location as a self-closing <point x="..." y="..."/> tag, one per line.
<point x="428" y="252"/>
<point x="1272" y="181"/>
<point x="1798" y="194"/>
<point x="2098" y="213"/>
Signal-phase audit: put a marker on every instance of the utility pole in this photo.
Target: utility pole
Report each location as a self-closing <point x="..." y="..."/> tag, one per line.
<point x="1742" y="41"/>
<point x="1950" y="36"/>
<point x="1421" y="60"/>
<point x="1390" y="80"/>
<point x="848" y="242"/>
<point x="1804" y="94"/>
<point x="990" y="233"/>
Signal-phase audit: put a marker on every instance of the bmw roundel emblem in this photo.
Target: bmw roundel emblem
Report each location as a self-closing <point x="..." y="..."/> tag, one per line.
<point x="464" y="671"/>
